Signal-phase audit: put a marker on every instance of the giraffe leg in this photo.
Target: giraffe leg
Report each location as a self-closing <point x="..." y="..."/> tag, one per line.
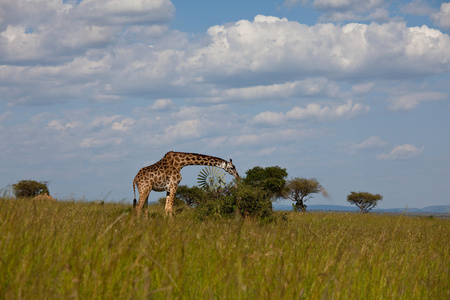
<point x="169" y="201"/>
<point x="146" y="206"/>
<point x="143" y="199"/>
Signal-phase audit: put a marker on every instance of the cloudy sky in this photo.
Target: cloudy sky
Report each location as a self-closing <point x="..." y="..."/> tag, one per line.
<point x="353" y="92"/>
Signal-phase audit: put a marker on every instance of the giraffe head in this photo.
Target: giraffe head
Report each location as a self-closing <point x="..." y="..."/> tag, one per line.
<point x="231" y="169"/>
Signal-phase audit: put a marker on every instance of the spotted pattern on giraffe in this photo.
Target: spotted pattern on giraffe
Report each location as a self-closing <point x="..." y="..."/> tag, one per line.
<point x="165" y="176"/>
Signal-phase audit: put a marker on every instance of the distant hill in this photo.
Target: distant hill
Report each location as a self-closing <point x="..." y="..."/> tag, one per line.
<point x="428" y="209"/>
<point x="437" y="208"/>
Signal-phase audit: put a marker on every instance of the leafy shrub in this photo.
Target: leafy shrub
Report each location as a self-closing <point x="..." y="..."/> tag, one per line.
<point x="253" y="201"/>
<point x="190" y="195"/>
<point x="240" y="198"/>
<point x="30" y="188"/>
<point x="217" y="203"/>
<point x="186" y="196"/>
<point x="237" y="198"/>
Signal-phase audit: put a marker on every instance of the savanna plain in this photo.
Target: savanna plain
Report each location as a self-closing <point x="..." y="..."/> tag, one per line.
<point x="91" y="250"/>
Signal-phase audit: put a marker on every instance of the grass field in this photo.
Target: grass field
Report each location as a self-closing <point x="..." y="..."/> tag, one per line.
<point x="85" y="250"/>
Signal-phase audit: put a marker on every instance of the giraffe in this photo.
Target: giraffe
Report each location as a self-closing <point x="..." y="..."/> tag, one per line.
<point x="165" y="176"/>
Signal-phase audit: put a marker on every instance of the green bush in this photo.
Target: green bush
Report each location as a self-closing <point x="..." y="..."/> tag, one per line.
<point x="237" y="198"/>
<point x="240" y="198"/>
<point x="186" y="197"/>
<point x="216" y="204"/>
<point x="253" y="201"/>
<point x="190" y="195"/>
<point x="30" y="188"/>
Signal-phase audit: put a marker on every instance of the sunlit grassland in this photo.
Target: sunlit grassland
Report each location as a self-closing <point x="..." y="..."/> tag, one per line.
<point x="87" y="250"/>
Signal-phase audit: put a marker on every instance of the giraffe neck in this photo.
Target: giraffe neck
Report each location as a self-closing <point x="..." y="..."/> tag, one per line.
<point x="194" y="159"/>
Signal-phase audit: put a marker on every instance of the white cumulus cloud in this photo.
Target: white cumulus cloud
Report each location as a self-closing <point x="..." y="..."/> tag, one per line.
<point x="406" y="151"/>
<point x="410" y="101"/>
<point x="311" y="87"/>
<point x="69" y="55"/>
<point x="344" y="111"/>
<point x="362" y="88"/>
<point x="52" y="32"/>
<point x="269" y="117"/>
<point x="313" y="110"/>
<point x="442" y="18"/>
<point x="60" y="125"/>
<point x="372" y="142"/>
<point x="245" y="50"/>
<point x="162" y="104"/>
<point x="187" y="129"/>
<point x="123" y="125"/>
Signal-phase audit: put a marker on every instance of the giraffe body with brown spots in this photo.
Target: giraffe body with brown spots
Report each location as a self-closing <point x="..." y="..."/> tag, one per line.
<point x="165" y="175"/>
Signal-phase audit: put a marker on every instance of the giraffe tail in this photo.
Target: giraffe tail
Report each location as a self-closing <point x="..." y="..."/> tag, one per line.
<point x="134" y="190"/>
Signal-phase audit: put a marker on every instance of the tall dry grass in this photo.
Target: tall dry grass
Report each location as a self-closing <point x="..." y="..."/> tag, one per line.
<point x="85" y="250"/>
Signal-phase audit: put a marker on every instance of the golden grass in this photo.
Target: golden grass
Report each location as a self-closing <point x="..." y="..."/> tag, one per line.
<point x="85" y="250"/>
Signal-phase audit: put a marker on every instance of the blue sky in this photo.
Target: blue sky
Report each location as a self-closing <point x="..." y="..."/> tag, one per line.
<point x="352" y="92"/>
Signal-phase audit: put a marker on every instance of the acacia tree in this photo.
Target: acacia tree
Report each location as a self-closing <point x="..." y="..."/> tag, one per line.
<point x="190" y="195"/>
<point x="30" y="188"/>
<point x="300" y="190"/>
<point x="365" y="201"/>
<point x="271" y="180"/>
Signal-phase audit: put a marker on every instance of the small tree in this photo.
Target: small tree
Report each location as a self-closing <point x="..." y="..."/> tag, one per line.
<point x="190" y="195"/>
<point x="365" y="201"/>
<point x="271" y="180"/>
<point x="300" y="190"/>
<point x="30" y="188"/>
